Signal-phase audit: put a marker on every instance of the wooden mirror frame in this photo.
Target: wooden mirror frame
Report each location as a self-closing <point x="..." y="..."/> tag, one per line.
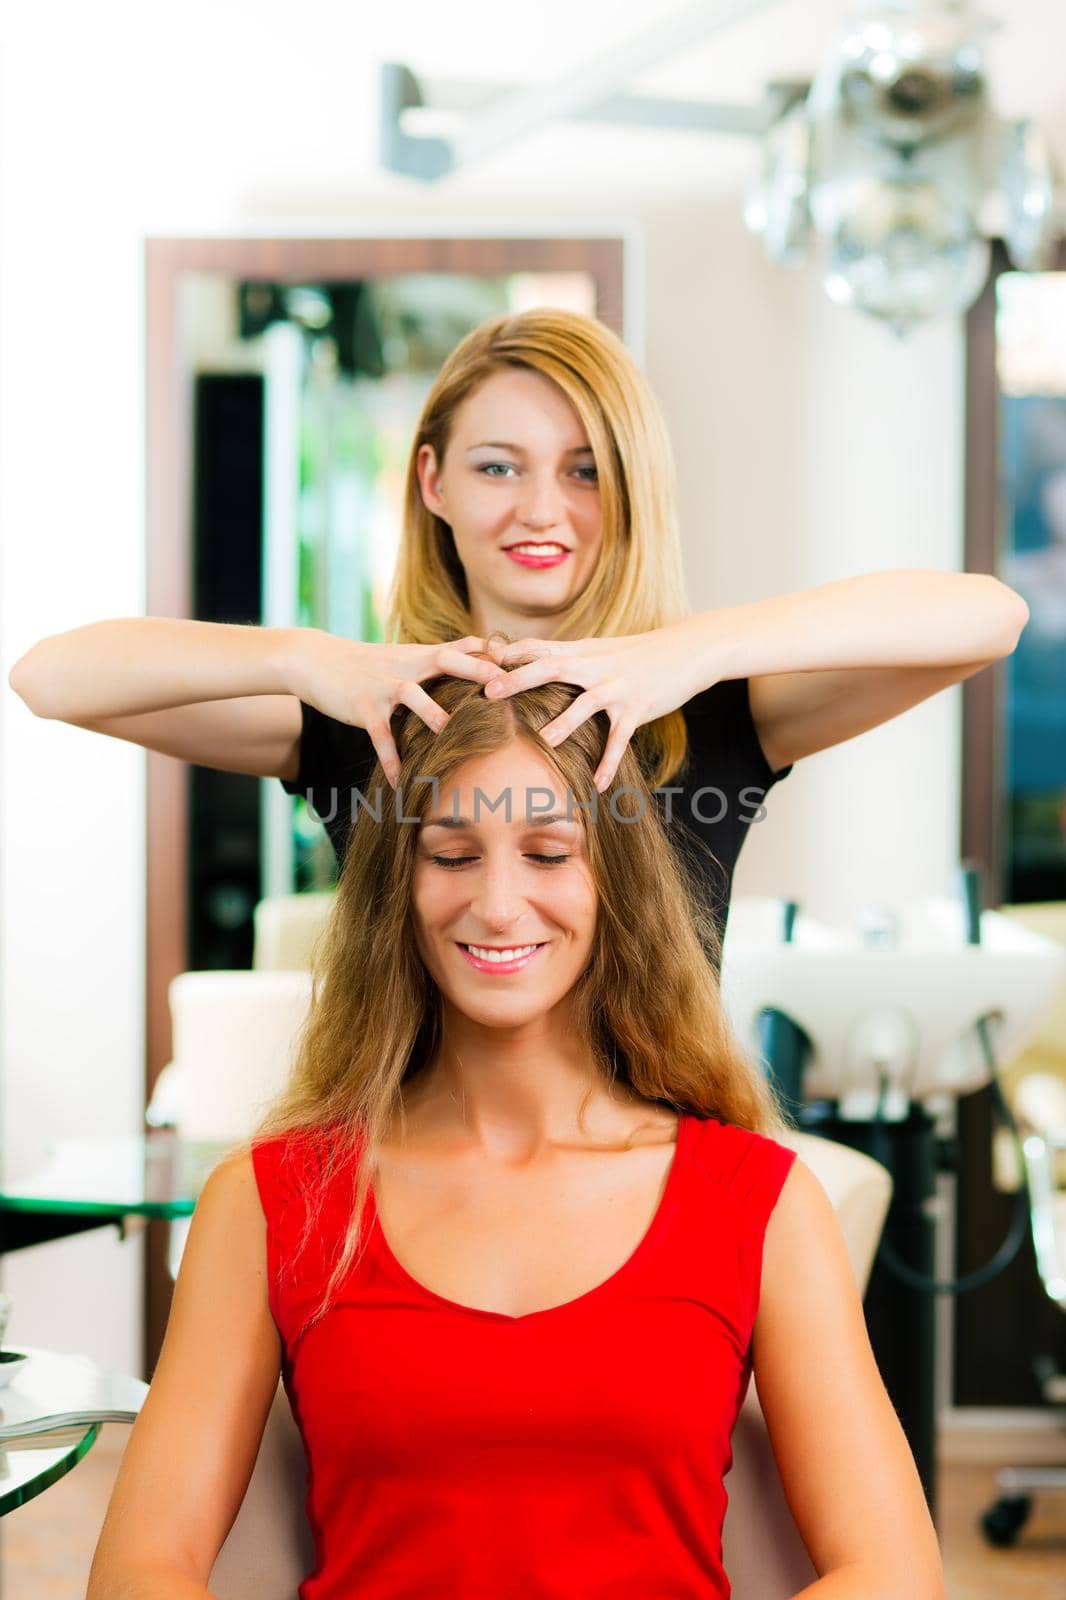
<point x="169" y="541"/>
<point x="986" y="1321"/>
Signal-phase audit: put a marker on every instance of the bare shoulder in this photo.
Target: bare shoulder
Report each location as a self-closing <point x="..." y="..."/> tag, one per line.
<point x="226" y="1247"/>
<point x="805" y="1261"/>
<point x="844" y="1462"/>
<point x="193" y="1446"/>
<point x="231" y="1190"/>
<point x="233" y="1175"/>
<point x="803" y="1203"/>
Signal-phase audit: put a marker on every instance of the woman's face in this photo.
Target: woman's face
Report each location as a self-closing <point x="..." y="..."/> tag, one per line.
<point x="518" y="489"/>
<point x="502" y="880"/>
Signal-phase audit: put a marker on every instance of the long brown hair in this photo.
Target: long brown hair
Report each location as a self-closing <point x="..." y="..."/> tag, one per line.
<point x="638" y="583"/>
<point x="647" y="1004"/>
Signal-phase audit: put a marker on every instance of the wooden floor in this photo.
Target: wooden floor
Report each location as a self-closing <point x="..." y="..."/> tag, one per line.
<point x="1034" y="1570"/>
<point x="48" y="1544"/>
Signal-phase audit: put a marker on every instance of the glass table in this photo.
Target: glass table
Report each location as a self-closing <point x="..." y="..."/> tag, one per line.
<point x="74" y="1396"/>
<point x="100" y="1182"/>
<point x="27" y="1466"/>
<point x="84" y="1184"/>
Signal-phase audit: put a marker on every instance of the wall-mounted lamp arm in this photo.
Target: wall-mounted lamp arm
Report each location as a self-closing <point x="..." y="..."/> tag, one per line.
<point x="582" y="94"/>
<point x="414" y="156"/>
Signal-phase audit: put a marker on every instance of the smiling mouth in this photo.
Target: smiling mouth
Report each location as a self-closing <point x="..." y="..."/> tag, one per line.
<point x="539" y="547"/>
<point x="500" y="963"/>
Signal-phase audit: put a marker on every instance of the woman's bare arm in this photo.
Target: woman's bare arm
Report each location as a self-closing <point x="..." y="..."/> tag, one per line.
<point x="227" y="695"/>
<point x="219" y="694"/>
<point x="193" y="1447"/>
<point x="259" y="734"/>
<point x="845" y="1464"/>
<point x="133" y="664"/>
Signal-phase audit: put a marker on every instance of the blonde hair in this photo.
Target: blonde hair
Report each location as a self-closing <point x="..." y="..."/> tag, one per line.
<point x="638" y="583"/>
<point x="647" y="1004"/>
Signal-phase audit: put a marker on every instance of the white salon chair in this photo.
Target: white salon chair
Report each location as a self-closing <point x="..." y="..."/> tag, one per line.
<point x="234" y="1039"/>
<point x="286" y="929"/>
<point x="269" y="1550"/>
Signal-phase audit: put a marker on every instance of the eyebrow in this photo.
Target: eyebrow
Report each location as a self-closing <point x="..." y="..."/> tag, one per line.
<point x="466" y="822"/>
<point x="516" y="449"/>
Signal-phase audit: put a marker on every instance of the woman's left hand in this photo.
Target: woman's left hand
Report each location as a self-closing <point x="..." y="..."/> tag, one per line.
<point x="635" y="679"/>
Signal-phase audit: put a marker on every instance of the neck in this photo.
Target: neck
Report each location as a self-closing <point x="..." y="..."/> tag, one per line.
<point x="517" y="622"/>
<point x="511" y="1092"/>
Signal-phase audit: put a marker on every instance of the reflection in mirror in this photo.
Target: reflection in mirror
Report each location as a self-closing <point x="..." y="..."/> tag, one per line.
<point x="1031" y="369"/>
<point x="304" y="399"/>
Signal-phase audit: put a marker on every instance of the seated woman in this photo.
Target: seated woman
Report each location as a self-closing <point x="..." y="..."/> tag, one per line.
<point x="518" y="1232"/>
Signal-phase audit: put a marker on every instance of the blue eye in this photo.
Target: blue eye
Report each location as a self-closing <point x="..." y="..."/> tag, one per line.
<point x="458" y="861"/>
<point x="488" y="469"/>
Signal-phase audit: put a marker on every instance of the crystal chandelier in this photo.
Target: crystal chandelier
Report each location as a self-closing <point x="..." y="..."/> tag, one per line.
<point x="891" y="166"/>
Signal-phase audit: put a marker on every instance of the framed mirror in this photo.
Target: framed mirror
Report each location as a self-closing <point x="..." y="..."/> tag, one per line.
<point x="1014" y="729"/>
<point x="1013" y="800"/>
<point x="285" y="378"/>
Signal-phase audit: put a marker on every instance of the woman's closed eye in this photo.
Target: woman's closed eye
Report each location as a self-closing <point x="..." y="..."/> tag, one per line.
<point x="460" y="861"/>
<point x="487" y="470"/>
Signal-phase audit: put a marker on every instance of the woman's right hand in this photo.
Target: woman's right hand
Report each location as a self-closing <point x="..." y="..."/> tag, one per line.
<point x="361" y="683"/>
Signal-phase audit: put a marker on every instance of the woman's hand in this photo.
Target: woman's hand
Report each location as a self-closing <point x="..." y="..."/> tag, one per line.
<point x="361" y="683"/>
<point x="635" y="679"/>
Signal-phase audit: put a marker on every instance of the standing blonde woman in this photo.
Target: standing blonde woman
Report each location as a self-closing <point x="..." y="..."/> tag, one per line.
<point x="540" y="504"/>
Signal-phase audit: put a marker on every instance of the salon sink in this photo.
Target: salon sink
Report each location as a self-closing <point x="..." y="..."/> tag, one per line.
<point x="904" y="1009"/>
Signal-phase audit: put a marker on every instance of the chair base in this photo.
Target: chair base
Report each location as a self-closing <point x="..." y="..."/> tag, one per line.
<point x="1005" y="1518"/>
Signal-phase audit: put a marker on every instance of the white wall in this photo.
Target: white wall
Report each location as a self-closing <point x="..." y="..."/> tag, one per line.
<point x="810" y="445"/>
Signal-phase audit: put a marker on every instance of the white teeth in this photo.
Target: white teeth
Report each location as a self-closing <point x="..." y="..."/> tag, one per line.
<point x="501" y="955"/>
<point x="539" y="549"/>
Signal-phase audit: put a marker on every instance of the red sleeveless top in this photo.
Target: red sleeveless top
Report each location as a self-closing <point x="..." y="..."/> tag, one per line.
<point x="467" y="1454"/>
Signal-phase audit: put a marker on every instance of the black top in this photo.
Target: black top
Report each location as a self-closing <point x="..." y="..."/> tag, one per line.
<point x="721" y="786"/>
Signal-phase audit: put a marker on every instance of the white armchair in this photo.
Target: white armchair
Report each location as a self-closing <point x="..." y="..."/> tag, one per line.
<point x="286" y="929"/>
<point x="234" y="1040"/>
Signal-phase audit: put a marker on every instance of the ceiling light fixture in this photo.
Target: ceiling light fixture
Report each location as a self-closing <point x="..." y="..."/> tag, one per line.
<point x="890" y="167"/>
